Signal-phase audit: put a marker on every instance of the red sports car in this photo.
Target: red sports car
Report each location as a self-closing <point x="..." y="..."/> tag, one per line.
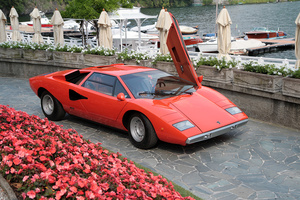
<point x="151" y="104"/>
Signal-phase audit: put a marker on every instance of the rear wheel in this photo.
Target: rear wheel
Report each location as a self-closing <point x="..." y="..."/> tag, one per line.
<point x="51" y="107"/>
<point x="141" y="132"/>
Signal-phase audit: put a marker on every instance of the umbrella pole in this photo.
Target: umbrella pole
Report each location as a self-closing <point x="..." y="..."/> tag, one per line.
<point x="216" y="26"/>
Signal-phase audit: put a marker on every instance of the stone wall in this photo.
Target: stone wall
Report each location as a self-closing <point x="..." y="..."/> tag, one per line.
<point x="268" y="99"/>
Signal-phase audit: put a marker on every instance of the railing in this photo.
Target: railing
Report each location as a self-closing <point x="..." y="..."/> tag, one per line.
<point x="288" y="63"/>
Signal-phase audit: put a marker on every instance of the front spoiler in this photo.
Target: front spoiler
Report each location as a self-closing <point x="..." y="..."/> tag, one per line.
<point x="215" y="133"/>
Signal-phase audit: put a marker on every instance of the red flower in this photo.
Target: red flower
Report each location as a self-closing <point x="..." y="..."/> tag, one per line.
<point x="72" y="167"/>
<point x="73" y="189"/>
<point x="31" y="194"/>
<point x="43" y="158"/>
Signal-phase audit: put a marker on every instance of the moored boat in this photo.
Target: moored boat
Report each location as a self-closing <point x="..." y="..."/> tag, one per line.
<point x="45" y="22"/>
<point x="264" y="33"/>
<point x="238" y="45"/>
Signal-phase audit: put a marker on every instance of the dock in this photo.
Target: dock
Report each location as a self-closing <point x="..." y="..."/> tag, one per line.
<point x="272" y="45"/>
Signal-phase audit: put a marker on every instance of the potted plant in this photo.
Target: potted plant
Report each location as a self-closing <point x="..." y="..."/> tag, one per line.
<point x="214" y="69"/>
<point x="37" y="52"/>
<point x="70" y="55"/>
<point x="131" y="57"/>
<point x="99" y="56"/>
<point x="266" y="77"/>
<point x="165" y="63"/>
<point x="12" y="50"/>
<point x="291" y="84"/>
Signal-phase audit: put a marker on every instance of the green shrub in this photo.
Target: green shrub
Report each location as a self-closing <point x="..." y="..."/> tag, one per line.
<point x="163" y="58"/>
<point x="219" y="64"/>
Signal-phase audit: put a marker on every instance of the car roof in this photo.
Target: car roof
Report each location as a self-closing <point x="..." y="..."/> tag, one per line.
<point x="119" y="69"/>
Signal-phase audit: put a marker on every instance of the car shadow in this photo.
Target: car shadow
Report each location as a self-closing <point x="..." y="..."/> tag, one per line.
<point x="85" y="124"/>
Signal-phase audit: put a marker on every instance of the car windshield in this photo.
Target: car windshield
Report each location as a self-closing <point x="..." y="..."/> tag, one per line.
<point x="157" y="84"/>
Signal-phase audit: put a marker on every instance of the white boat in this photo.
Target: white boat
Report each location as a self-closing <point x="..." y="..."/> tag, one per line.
<point x="151" y="29"/>
<point x="211" y="46"/>
<point x="186" y="30"/>
<point x="146" y="29"/>
<point x="45" y="22"/>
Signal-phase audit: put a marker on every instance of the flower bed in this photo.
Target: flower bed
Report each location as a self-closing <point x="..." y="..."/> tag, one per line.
<point x="45" y="161"/>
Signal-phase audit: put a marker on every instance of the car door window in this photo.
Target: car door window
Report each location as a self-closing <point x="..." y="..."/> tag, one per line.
<point x="101" y="83"/>
<point x="120" y="89"/>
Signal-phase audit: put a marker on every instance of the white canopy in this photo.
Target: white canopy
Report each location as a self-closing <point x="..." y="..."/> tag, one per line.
<point x="124" y="14"/>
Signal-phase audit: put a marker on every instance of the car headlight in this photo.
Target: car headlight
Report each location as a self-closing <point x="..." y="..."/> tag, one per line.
<point x="183" y="125"/>
<point x="233" y="110"/>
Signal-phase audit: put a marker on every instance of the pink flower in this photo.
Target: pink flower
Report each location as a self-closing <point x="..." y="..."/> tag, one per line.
<point x="60" y="193"/>
<point x="25" y="178"/>
<point x="31" y="194"/>
<point x="73" y="189"/>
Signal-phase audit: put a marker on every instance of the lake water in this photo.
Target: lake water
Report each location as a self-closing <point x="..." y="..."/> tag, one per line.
<point x="244" y="18"/>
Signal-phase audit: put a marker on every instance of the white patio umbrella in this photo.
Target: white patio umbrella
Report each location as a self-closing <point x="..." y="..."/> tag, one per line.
<point x="167" y="25"/>
<point x="2" y="27"/>
<point x="58" y="23"/>
<point x="105" y="35"/>
<point x="160" y="25"/>
<point x="297" y="41"/>
<point x="36" y="18"/>
<point x="224" y="34"/>
<point x="14" y="21"/>
<point x="163" y="25"/>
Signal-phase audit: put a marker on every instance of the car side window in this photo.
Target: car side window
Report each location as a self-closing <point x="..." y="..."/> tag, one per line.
<point x="120" y="89"/>
<point x="101" y="83"/>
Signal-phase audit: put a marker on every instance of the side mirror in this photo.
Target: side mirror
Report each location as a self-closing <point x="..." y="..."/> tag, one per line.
<point x="200" y="78"/>
<point x="121" y="97"/>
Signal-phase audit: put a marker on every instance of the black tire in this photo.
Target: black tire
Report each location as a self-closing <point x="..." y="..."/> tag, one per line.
<point x="141" y="132"/>
<point x="51" y="107"/>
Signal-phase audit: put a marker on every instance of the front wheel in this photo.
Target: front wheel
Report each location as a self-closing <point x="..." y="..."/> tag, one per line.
<point x="51" y="107"/>
<point x="141" y="132"/>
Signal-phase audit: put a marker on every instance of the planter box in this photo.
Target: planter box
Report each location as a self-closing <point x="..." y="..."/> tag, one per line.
<point x="167" y="67"/>
<point x="11" y="53"/>
<point x="68" y="58"/>
<point x="257" y="81"/>
<point x="145" y="63"/>
<point x="127" y="62"/>
<point x="97" y="60"/>
<point x="37" y="55"/>
<point x="291" y="87"/>
<point x="212" y="74"/>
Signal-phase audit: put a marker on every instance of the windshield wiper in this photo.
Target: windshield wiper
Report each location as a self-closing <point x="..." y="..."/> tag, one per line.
<point x="186" y="92"/>
<point x="160" y="92"/>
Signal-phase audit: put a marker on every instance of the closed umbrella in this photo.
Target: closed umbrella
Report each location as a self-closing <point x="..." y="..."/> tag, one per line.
<point x="297" y="41"/>
<point x="58" y="23"/>
<point x="160" y="25"/>
<point x="163" y="25"/>
<point x="166" y="28"/>
<point x="105" y="35"/>
<point x="224" y="34"/>
<point x="14" y="21"/>
<point x="2" y="27"/>
<point x="36" y="18"/>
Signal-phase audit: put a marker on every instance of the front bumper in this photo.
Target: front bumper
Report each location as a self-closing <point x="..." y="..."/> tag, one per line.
<point x="216" y="132"/>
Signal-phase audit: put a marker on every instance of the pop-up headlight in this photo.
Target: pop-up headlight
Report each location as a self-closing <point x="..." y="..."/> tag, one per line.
<point x="183" y="125"/>
<point x="233" y="110"/>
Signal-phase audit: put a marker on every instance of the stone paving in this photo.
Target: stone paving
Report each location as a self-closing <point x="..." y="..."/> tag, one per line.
<point x="257" y="161"/>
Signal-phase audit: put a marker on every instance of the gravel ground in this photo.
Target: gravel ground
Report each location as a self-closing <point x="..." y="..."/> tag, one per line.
<point x="3" y="195"/>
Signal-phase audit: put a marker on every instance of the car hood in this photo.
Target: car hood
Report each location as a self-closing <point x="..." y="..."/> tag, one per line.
<point x="180" y="54"/>
<point x="203" y="113"/>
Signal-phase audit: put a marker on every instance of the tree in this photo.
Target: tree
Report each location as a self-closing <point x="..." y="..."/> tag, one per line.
<point x="88" y="10"/>
<point x="91" y="9"/>
<point x="6" y="5"/>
